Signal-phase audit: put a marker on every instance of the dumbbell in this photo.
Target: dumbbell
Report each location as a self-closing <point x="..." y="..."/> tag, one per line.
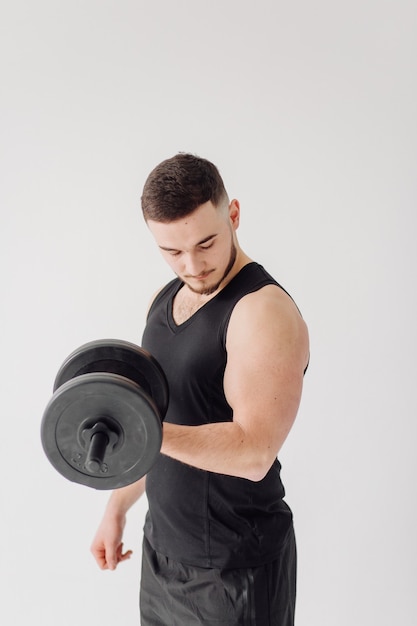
<point x="103" y="425"/>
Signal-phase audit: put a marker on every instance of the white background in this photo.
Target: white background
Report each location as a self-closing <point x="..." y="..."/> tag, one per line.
<point x="309" y="111"/>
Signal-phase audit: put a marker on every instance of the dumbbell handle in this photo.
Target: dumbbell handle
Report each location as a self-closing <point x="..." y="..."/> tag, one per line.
<point x="99" y="440"/>
<point x="96" y="451"/>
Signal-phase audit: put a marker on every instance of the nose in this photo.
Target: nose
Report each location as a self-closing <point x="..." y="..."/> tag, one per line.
<point x="193" y="265"/>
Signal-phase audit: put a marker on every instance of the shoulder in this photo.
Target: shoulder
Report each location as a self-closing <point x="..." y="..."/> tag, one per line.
<point x="270" y="319"/>
<point x="271" y="303"/>
<point x="162" y="292"/>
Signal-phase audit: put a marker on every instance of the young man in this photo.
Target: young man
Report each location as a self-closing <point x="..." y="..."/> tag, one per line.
<point x="219" y="545"/>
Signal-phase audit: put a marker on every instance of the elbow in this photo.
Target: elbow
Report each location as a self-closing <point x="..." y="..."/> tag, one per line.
<point x="258" y="469"/>
<point x="255" y="458"/>
<point x="256" y="477"/>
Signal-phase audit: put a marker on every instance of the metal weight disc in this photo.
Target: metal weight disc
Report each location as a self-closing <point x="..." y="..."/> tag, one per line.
<point x="129" y="412"/>
<point x="122" y="358"/>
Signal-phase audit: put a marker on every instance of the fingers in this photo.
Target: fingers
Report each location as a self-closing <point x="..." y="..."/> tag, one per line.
<point x="114" y="558"/>
<point x="100" y="557"/>
<point x="107" y="557"/>
<point x="122" y="556"/>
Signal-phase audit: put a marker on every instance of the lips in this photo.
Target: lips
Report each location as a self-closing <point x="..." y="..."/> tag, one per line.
<point x="202" y="276"/>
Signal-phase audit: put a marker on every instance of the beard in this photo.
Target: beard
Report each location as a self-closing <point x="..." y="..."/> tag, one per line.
<point x="207" y="290"/>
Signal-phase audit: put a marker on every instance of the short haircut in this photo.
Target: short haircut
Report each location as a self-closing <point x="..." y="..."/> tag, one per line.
<point x="177" y="186"/>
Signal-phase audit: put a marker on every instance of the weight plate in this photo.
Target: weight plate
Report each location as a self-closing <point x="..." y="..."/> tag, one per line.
<point x="117" y="401"/>
<point x="122" y="358"/>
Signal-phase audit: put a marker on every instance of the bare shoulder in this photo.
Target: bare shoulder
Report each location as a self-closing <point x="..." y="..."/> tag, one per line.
<point x="269" y="321"/>
<point x="153" y="298"/>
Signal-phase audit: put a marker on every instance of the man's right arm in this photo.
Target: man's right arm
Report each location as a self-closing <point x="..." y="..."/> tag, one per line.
<point x="107" y="546"/>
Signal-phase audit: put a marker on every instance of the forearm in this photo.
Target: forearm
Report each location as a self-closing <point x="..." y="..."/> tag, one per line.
<point x="223" y="448"/>
<point x="121" y="500"/>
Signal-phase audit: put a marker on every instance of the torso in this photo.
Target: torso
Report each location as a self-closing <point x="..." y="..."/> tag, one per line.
<point x="202" y="518"/>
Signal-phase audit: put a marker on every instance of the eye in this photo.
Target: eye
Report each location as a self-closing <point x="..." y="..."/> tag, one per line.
<point x="206" y="247"/>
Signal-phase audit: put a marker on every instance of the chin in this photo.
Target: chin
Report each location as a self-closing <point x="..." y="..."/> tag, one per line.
<point x="204" y="290"/>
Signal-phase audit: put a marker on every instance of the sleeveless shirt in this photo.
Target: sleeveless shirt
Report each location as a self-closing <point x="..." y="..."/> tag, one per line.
<point x="201" y="518"/>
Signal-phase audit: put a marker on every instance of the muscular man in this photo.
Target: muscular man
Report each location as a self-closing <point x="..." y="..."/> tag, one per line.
<point x="219" y="544"/>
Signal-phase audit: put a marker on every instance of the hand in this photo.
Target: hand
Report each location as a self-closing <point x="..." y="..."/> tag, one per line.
<point x="107" y="546"/>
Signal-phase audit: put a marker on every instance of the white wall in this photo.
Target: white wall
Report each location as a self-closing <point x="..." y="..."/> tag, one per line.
<point x="309" y="110"/>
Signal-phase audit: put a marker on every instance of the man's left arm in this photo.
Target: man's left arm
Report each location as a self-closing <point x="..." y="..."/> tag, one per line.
<point x="267" y="353"/>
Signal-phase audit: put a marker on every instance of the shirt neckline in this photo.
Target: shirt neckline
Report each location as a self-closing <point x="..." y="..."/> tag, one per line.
<point x="178" y="327"/>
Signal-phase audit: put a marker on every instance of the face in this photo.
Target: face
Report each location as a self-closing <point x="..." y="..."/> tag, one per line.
<point x="200" y="248"/>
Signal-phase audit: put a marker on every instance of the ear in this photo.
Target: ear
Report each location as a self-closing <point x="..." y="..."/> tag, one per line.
<point x="234" y="214"/>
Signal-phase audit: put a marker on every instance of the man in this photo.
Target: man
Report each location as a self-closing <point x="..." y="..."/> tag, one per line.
<point x="219" y="545"/>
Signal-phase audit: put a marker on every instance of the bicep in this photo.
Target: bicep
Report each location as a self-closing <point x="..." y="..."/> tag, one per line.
<point x="267" y="347"/>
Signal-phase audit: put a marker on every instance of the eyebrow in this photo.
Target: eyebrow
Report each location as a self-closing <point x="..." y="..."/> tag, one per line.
<point x="205" y="240"/>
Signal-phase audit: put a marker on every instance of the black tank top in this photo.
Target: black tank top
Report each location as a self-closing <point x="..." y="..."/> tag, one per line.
<point x="202" y="518"/>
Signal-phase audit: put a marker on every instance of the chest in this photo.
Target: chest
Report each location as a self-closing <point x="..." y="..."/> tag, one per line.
<point x="185" y="306"/>
<point x="193" y="356"/>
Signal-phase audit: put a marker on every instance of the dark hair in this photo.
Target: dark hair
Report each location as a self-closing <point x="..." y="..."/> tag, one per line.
<point x="177" y="186"/>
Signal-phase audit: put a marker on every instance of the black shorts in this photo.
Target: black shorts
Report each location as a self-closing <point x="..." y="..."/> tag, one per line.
<point x="173" y="594"/>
